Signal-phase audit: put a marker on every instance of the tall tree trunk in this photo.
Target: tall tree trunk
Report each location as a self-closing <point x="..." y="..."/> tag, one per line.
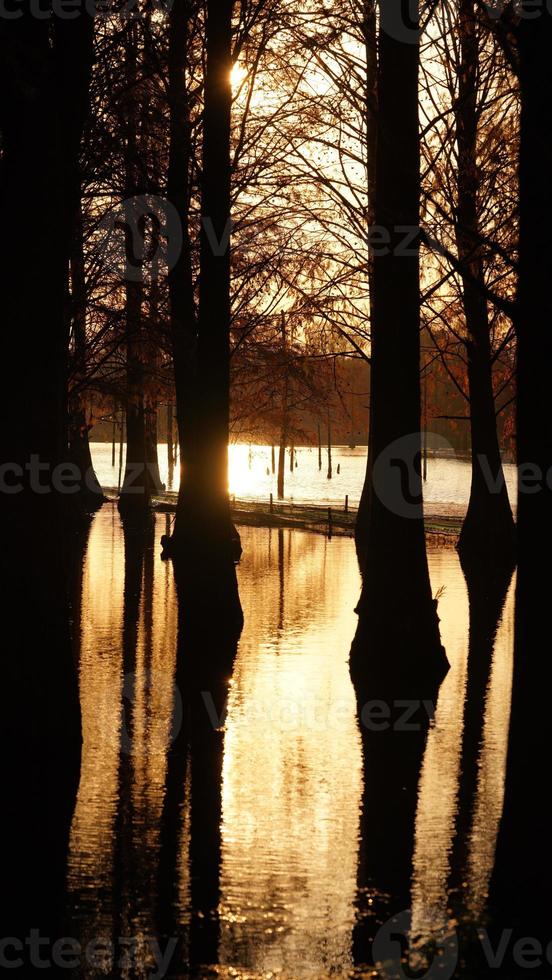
<point x="91" y="496"/>
<point x="170" y="444"/>
<point x="135" y="497"/>
<point x="521" y="884"/>
<point x="181" y="280"/>
<point x="44" y="76"/>
<point x="284" y="423"/>
<point x="396" y="602"/>
<point x="488" y="528"/>
<point x="152" y="455"/>
<point x="204" y="536"/>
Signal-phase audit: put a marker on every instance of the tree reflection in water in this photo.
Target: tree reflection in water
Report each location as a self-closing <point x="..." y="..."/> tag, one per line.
<point x="222" y="784"/>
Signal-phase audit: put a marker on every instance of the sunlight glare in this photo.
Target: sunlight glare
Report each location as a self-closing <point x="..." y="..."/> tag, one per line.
<point x="237" y="75"/>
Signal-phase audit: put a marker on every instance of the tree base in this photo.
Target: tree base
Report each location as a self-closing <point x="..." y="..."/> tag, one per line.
<point x="399" y="655"/>
<point x="488" y="535"/>
<point x="205" y="572"/>
<point x="134" y="505"/>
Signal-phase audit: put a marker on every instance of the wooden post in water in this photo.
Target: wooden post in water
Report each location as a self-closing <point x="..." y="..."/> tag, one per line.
<point x="346" y="503"/>
<point x="273" y="458"/>
<point x="113" y="434"/>
<point x="170" y="448"/>
<point x="319" y="448"/>
<point x="291" y="455"/>
<point x="285" y="413"/>
<point x="121" y="437"/>
<point x="329" y="448"/>
<point x="271" y="504"/>
<point x="424" y="436"/>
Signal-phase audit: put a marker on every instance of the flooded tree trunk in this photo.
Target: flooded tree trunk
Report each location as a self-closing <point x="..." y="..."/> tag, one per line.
<point x="152" y="456"/>
<point x="41" y="121"/>
<point x="488" y="527"/>
<point x="396" y="599"/>
<point x="90" y="496"/>
<point x="204" y="536"/>
<point x="121" y="446"/>
<point x="135" y="496"/>
<point x="181" y="278"/>
<point x="170" y="443"/>
<point x="284" y="413"/>
<point x="521" y="883"/>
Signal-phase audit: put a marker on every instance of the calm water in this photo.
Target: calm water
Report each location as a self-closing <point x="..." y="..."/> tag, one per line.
<point x="291" y="828"/>
<point x="446" y="491"/>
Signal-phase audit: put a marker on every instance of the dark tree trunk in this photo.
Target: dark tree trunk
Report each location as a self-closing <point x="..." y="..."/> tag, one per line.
<point x="204" y="539"/>
<point x="521" y="887"/>
<point x="181" y="280"/>
<point x="44" y="75"/>
<point x="284" y="423"/>
<point x="170" y="444"/>
<point x="396" y="602"/>
<point x="90" y="496"/>
<point x="135" y="496"/>
<point x="152" y="456"/>
<point x="488" y="527"/>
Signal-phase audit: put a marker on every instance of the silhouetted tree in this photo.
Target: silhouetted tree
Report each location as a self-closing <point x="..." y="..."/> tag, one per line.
<point x="524" y="858"/>
<point x="396" y="595"/>
<point x="44" y="77"/>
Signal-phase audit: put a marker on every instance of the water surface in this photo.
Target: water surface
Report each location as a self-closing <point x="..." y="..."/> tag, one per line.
<point x="446" y="491"/>
<point x="287" y="901"/>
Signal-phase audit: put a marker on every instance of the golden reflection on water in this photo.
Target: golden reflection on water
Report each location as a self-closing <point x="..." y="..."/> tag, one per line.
<point x="440" y="768"/>
<point x="492" y="766"/>
<point x="292" y="767"/>
<point x="126" y="686"/>
<point x="438" y="789"/>
<point x="292" y="774"/>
